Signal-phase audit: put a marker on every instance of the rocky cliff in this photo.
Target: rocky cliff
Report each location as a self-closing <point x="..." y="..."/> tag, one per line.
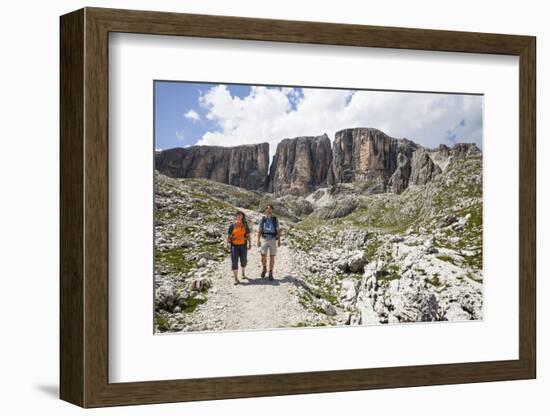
<point x="300" y="165"/>
<point x="423" y="168"/>
<point x="371" y="156"/>
<point x="442" y="154"/>
<point x="364" y="156"/>
<point x="245" y="166"/>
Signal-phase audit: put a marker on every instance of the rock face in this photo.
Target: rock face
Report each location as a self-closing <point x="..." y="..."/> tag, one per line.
<point x="400" y="178"/>
<point x="245" y="166"/>
<point x="442" y="154"/>
<point x="371" y="156"/>
<point x="300" y="165"/>
<point x="423" y="169"/>
<point x="464" y="149"/>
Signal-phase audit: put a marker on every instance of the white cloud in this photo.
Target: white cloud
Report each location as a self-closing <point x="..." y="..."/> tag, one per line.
<point x="272" y="114"/>
<point x="180" y="135"/>
<point x="192" y="115"/>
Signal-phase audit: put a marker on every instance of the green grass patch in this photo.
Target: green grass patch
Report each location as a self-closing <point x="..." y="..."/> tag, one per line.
<point x="446" y="258"/>
<point x="162" y="323"/>
<point x="173" y="259"/>
<point x="373" y="245"/>
<point x="434" y="280"/>
<point x="388" y="273"/>
<point x="475" y="261"/>
<point x="189" y="305"/>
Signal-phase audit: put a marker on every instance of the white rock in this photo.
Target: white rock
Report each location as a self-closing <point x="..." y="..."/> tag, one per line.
<point x="394" y="287"/>
<point x="456" y="313"/>
<point x="392" y="319"/>
<point x="327" y="307"/>
<point x="367" y="314"/>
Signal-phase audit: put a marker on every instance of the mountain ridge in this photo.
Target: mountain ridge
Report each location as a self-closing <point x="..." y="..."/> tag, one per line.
<point x="303" y="164"/>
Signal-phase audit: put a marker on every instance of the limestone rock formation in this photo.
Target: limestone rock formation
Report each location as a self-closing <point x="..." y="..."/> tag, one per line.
<point x="442" y="154"/>
<point x="245" y="166"/>
<point x="371" y="156"/>
<point x="464" y="149"/>
<point x="366" y="159"/>
<point x="423" y="168"/>
<point x="300" y="165"/>
<point x="400" y="178"/>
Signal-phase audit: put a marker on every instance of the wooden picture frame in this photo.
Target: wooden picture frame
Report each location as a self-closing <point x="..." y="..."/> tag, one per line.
<point x="84" y="207"/>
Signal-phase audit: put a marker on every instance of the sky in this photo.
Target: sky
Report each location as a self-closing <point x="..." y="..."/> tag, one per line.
<point x="188" y="113"/>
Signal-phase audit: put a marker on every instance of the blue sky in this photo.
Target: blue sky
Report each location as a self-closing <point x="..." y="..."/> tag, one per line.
<point x="188" y="113"/>
<point x="172" y="101"/>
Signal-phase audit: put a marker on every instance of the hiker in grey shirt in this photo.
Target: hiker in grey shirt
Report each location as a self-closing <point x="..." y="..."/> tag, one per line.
<point x="270" y="232"/>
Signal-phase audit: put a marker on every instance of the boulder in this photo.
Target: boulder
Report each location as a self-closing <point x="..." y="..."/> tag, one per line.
<point x="202" y="262"/>
<point x="414" y="305"/>
<point x="367" y="314"/>
<point x="348" y="294"/>
<point x="338" y="208"/>
<point x="353" y="262"/>
<point x="456" y="313"/>
<point x="166" y="297"/>
<point x="199" y="284"/>
<point x="326" y="307"/>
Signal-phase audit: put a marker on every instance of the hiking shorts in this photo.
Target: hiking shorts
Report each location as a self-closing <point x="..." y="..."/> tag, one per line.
<point x="238" y="252"/>
<point x="269" y="245"/>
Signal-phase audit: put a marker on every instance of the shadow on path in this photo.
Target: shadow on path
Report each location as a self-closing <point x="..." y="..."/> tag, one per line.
<point x="276" y="282"/>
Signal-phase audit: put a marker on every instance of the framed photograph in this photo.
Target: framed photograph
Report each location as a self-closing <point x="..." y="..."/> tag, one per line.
<point x="255" y="207"/>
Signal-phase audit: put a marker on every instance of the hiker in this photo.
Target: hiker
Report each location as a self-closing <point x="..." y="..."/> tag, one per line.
<point x="270" y="232"/>
<point x="238" y="239"/>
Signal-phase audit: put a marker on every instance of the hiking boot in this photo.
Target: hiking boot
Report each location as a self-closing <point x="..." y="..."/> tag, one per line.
<point x="264" y="271"/>
<point x="270" y="277"/>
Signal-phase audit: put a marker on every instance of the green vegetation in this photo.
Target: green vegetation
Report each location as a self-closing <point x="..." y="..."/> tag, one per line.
<point x="475" y="261"/>
<point x="434" y="280"/>
<point x="162" y="323"/>
<point x="301" y="241"/>
<point x="388" y="273"/>
<point x="173" y="259"/>
<point x="446" y="258"/>
<point x="373" y="244"/>
<point x="385" y="216"/>
<point x="470" y="237"/>
<point x="189" y="305"/>
<point x="326" y="293"/>
<point x="310" y="223"/>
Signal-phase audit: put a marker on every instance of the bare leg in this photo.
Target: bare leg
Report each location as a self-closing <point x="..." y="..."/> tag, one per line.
<point x="242" y="272"/>
<point x="271" y="263"/>
<point x="235" y="275"/>
<point x="264" y="261"/>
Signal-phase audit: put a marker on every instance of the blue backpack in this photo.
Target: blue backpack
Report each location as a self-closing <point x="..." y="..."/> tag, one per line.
<point x="273" y="233"/>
